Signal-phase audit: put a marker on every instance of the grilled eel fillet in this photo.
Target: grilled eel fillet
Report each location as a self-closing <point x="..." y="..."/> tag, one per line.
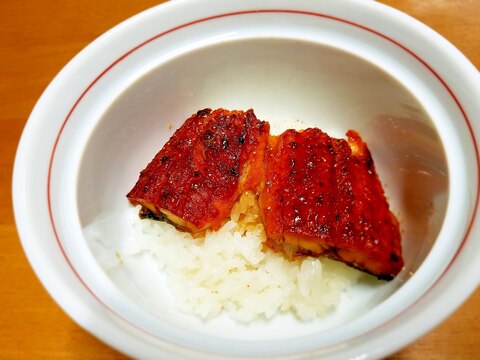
<point x="317" y="195"/>
<point x="322" y="196"/>
<point x="200" y="173"/>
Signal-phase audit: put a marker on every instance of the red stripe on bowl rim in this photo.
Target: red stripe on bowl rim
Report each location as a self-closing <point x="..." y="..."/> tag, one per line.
<point x="247" y="12"/>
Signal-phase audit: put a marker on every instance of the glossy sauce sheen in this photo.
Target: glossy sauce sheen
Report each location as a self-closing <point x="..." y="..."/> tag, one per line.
<point x="322" y="196"/>
<point x="317" y="195"/>
<point x="197" y="177"/>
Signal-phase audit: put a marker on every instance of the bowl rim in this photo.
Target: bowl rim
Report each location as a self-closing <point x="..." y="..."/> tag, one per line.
<point x="19" y="182"/>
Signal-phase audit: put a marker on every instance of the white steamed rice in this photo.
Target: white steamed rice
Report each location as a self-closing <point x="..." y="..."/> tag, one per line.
<point x="230" y="271"/>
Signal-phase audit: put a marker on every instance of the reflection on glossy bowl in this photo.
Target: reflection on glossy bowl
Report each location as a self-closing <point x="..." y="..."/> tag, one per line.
<point x="315" y="64"/>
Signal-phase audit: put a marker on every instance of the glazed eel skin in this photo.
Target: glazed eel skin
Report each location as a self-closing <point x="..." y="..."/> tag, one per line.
<point x="200" y="173"/>
<point x="322" y="196"/>
<point x="318" y="196"/>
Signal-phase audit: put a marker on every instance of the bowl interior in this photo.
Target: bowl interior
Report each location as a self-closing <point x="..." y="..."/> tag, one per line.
<point x="289" y="83"/>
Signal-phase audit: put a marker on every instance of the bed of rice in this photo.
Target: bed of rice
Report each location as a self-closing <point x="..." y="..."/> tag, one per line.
<point x="230" y="271"/>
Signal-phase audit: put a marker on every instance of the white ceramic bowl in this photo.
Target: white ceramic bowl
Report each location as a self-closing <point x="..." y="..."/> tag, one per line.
<point x="332" y="64"/>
